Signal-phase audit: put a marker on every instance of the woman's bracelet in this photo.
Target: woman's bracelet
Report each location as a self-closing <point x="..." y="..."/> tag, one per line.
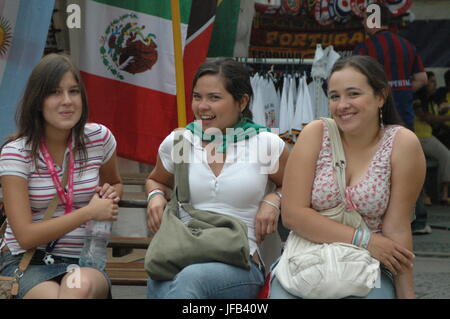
<point x="271" y="204"/>
<point x="361" y="238"/>
<point x="155" y="192"/>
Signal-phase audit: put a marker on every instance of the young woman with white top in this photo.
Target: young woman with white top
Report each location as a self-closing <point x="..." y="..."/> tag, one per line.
<point x="226" y="176"/>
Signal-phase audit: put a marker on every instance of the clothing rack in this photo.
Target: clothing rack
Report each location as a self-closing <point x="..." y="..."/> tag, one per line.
<point x="274" y="60"/>
<point x="317" y="99"/>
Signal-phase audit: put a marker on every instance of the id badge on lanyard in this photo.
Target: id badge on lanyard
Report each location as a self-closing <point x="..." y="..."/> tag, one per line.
<point x="65" y="195"/>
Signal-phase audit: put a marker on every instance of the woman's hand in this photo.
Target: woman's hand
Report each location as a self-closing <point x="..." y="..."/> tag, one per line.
<point x="266" y="220"/>
<point x="155" y="208"/>
<point x="103" y="208"/>
<point x="108" y="191"/>
<point x="393" y="256"/>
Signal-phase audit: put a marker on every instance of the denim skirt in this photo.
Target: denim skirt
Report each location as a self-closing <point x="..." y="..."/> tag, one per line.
<point x="38" y="272"/>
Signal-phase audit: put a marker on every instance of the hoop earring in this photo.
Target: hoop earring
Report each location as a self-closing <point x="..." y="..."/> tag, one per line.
<point x="381" y="118"/>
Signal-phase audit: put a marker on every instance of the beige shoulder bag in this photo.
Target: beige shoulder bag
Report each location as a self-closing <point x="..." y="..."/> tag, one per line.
<point x="329" y="271"/>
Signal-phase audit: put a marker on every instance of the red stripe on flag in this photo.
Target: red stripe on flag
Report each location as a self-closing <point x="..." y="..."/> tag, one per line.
<point x="139" y="118"/>
<point x="194" y="55"/>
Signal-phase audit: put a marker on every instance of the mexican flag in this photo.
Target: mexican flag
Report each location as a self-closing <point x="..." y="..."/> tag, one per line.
<point x="126" y="56"/>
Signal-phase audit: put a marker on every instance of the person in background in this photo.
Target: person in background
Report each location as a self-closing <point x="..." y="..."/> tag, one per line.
<point x="222" y="179"/>
<point x="53" y="137"/>
<point x="385" y="171"/>
<point x="406" y="74"/>
<point x="427" y="115"/>
<point x="403" y="66"/>
<point x="442" y="98"/>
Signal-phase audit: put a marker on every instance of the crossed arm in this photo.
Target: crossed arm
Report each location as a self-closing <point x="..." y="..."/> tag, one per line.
<point x="31" y="234"/>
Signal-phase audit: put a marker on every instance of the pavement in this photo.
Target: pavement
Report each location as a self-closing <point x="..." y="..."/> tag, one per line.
<point x="431" y="267"/>
<point x="432" y="263"/>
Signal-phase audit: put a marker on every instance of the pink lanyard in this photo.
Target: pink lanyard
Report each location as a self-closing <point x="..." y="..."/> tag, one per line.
<point x="66" y="197"/>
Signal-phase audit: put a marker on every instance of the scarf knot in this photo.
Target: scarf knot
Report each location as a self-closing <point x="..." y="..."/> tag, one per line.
<point x="244" y="129"/>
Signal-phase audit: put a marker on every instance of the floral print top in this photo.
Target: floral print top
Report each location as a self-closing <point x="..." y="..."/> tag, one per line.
<point x="370" y="196"/>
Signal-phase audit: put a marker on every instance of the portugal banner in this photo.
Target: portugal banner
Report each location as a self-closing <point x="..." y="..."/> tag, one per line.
<point x="126" y="55"/>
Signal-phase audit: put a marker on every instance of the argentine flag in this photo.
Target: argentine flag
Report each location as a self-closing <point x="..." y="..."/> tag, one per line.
<point x="24" y="27"/>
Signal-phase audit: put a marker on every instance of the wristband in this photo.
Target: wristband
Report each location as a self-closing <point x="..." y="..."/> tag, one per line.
<point x="271" y="204"/>
<point x="155" y="192"/>
<point x="279" y="194"/>
<point x="361" y="238"/>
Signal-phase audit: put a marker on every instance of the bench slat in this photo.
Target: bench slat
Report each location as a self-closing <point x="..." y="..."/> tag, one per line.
<point x="127" y="273"/>
<point x="129" y="242"/>
<point x="134" y="178"/>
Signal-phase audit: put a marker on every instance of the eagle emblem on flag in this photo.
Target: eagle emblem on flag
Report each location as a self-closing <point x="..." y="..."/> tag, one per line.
<point x="126" y="46"/>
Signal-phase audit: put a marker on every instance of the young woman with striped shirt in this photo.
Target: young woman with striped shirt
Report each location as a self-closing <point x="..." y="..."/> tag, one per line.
<point x="53" y="136"/>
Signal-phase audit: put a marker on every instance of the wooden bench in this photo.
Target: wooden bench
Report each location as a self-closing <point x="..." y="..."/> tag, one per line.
<point x="134" y="178"/>
<point x="131" y="272"/>
<point x="127" y="273"/>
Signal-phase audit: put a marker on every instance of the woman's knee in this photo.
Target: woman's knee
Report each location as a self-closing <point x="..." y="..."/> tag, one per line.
<point x="84" y="283"/>
<point x="44" y="290"/>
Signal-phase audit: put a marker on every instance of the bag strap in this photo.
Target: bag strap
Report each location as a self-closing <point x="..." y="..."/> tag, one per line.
<point x="181" y="188"/>
<point x="338" y="154"/>
<point x="26" y="259"/>
<point x="181" y="169"/>
<point x="3" y="229"/>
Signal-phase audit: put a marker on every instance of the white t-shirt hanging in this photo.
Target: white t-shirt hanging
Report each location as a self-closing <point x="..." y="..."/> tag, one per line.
<point x="254" y="83"/>
<point x="291" y="103"/>
<point x="258" y="104"/>
<point x="318" y="98"/>
<point x="323" y="62"/>
<point x="319" y="68"/>
<point x="304" y="112"/>
<point x="279" y="106"/>
<point x="284" y="119"/>
<point x="271" y="103"/>
<point x="250" y="103"/>
<point x="296" y="124"/>
<point x="331" y="57"/>
<point x="307" y="109"/>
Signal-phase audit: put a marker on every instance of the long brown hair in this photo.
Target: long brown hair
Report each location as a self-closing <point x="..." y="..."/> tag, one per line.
<point x="30" y="121"/>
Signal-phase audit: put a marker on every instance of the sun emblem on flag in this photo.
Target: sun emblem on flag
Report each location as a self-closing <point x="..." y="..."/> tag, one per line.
<point x="126" y="46"/>
<point x="5" y="36"/>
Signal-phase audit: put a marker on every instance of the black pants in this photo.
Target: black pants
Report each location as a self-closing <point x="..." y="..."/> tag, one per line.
<point x="421" y="213"/>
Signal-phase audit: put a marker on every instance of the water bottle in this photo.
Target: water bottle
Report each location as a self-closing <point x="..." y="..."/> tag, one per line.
<point x="97" y="237"/>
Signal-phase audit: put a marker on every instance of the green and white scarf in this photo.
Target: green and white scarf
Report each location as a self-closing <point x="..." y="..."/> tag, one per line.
<point x="242" y="130"/>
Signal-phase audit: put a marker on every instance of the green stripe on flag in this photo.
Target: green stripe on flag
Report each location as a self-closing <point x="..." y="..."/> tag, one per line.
<point x="160" y="8"/>
<point x="223" y="38"/>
